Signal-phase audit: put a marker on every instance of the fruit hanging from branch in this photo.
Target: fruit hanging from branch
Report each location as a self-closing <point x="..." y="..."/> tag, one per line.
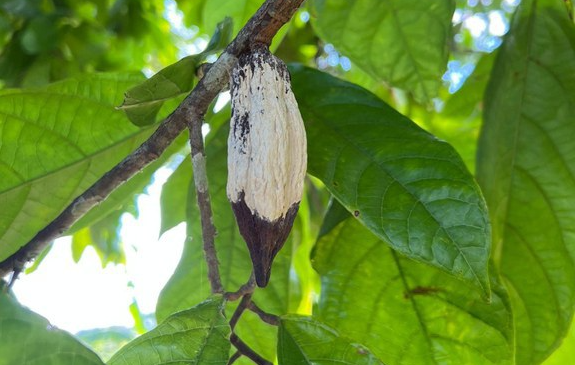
<point x="267" y="156"/>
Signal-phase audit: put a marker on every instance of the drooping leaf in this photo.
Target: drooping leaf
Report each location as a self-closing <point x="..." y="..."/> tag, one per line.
<point x="199" y="335"/>
<point x="57" y="141"/>
<point x="28" y="338"/>
<point x="526" y="167"/>
<point x="302" y="340"/>
<point x="104" y="237"/>
<point x="404" y="311"/>
<point x="143" y="102"/>
<point x="406" y="186"/>
<point x="39" y="259"/>
<point x="402" y="42"/>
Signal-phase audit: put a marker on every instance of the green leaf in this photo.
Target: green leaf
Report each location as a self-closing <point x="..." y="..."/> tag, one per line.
<point x="404" y="311"/>
<point x="221" y="38"/>
<point x="566" y="353"/>
<point x="335" y="214"/>
<point x="174" y="196"/>
<point x="303" y="340"/>
<point x="466" y="102"/>
<point x="143" y="102"/>
<point x="39" y="259"/>
<point x="402" y="42"/>
<point x="56" y="142"/>
<point x="28" y="338"/>
<point x="460" y="119"/>
<point x="104" y="237"/>
<point x="409" y="188"/>
<point x="526" y="167"/>
<point x="199" y="335"/>
<point x="192" y="11"/>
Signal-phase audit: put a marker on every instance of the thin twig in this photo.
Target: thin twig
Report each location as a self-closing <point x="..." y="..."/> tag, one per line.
<point x="244" y="304"/>
<point x="247" y="288"/>
<point x="203" y="197"/>
<point x="264" y="316"/>
<point x="234" y="357"/>
<point x="247" y="351"/>
<point x="262" y="27"/>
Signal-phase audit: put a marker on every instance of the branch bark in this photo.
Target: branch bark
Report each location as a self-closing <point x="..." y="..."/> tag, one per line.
<point x="247" y="351"/>
<point x="204" y="205"/>
<point x="245" y="289"/>
<point x="269" y="318"/>
<point x="261" y="28"/>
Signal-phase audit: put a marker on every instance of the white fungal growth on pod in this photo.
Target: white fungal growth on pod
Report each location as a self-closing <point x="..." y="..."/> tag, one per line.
<point x="267" y="156"/>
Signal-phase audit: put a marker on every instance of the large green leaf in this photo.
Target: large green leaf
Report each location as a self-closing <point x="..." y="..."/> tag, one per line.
<point x="408" y="187"/>
<point x="403" y="42"/>
<point x="526" y="167"/>
<point x="404" y="311"/>
<point x="199" y="335"/>
<point x="304" y="341"/>
<point x="28" y="338"/>
<point x="56" y="141"/>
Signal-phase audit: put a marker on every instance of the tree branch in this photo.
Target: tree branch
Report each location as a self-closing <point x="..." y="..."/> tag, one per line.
<point x="247" y="351"/>
<point x="244" y="304"/>
<point x="234" y="357"/>
<point x="269" y="318"/>
<point x="262" y="27"/>
<point x="203" y="197"/>
<point x="245" y="289"/>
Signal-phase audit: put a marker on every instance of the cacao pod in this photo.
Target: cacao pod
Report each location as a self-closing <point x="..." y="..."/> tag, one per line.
<point x="267" y="156"/>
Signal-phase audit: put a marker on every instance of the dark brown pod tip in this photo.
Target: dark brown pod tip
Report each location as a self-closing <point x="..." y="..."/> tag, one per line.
<point x="264" y="238"/>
